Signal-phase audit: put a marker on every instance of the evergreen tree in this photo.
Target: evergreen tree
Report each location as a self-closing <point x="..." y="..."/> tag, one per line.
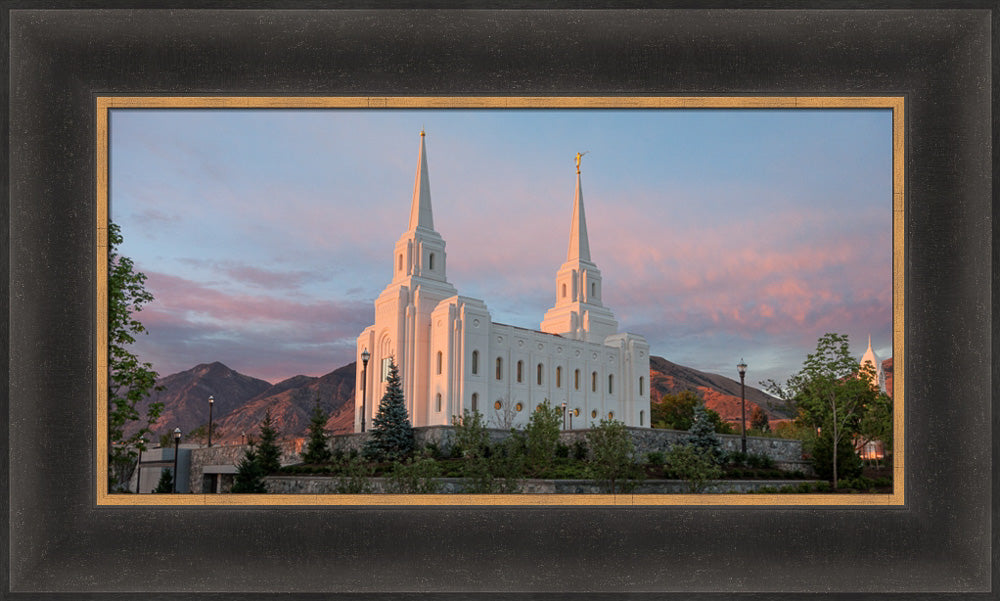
<point x="249" y="475"/>
<point x="166" y="483"/>
<point x="703" y="434"/>
<point x="391" y="435"/>
<point x="268" y="453"/>
<point x="317" y="447"/>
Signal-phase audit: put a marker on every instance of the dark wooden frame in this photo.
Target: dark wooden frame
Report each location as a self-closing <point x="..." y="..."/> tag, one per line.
<point x="940" y="544"/>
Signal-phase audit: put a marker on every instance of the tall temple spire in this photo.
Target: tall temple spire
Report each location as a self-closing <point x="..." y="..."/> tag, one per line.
<point x="420" y="210"/>
<point x="579" y="243"/>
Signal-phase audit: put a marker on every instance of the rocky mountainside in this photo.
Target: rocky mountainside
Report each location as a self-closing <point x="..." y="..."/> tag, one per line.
<point x="721" y="394"/>
<point x="185" y="396"/>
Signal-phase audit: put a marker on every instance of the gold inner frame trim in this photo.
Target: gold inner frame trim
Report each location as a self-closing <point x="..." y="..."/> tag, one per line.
<point x="894" y="103"/>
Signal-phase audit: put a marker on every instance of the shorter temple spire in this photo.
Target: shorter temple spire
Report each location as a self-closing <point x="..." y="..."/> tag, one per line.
<point x="420" y="211"/>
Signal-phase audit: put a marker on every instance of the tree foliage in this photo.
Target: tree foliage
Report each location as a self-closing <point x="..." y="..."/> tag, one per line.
<point x="166" y="482"/>
<point x="391" y="437"/>
<point x="129" y="380"/>
<point x="268" y="453"/>
<point x="541" y="435"/>
<point x="693" y="465"/>
<point x="612" y="461"/>
<point x="317" y="449"/>
<point x="703" y="436"/>
<point x="675" y="411"/>
<point x="831" y="393"/>
<point x="470" y="438"/>
<point x="758" y="420"/>
<point x="249" y="477"/>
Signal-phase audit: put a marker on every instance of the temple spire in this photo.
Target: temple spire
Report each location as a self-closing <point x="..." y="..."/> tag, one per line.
<point x="420" y="210"/>
<point x="579" y="244"/>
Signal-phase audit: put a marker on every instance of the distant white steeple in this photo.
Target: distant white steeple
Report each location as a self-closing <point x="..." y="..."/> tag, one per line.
<point x="872" y="359"/>
<point x="420" y="211"/>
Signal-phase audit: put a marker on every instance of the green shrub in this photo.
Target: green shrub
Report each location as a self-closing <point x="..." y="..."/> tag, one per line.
<point x="737" y="458"/>
<point x="415" y="476"/>
<point x="695" y="466"/>
<point x="656" y="457"/>
<point x="848" y="463"/>
<point x="759" y="461"/>
<point x="354" y="477"/>
<point x="611" y="462"/>
<point x="541" y="435"/>
<point x="580" y="451"/>
<point x="562" y="451"/>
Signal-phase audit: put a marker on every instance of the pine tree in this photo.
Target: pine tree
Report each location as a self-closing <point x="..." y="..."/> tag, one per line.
<point x="249" y="475"/>
<point x="703" y="435"/>
<point x="317" y="448"/>
<point x="391" y="436"/>
<point x="166" y="483"/>
<point x="268" y="453"/>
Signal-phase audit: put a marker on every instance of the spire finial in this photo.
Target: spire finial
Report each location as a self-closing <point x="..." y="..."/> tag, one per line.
<point x="579" y="156"/>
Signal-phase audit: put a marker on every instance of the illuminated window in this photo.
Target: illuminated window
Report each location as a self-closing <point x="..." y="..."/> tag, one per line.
<point x="440" y="356"/>
<point x="611" y="383"/>
<point x="499" y="368"/>
<point x="430" y="261"/>
<point x="475" y="364"/>
<point x="576" y="379"/>
<point x="520" y="367"/>
<point x="539" y="374"/>
<point x="518" y="407"/>
<point x="498" y="405"/>
<point x="438" y="405"/>
<point x="385" y="368"/>
<point x="593" y="414"/>
<point x="576" y="412"/>
<point x="559" y="377"/>
<point x="593" y="382"/>
<point x="475" y="402"/>
<point x="611" y="415"/>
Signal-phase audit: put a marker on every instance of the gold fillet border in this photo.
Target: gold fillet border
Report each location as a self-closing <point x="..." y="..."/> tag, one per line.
<point x="895" y="103"/>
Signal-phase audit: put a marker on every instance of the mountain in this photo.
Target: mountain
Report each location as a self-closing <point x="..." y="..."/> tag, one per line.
<point x="291" y="403"/>
<point x="241" y="401"/>
<point x="721" y="394"/>
<point x="185" y="396"/>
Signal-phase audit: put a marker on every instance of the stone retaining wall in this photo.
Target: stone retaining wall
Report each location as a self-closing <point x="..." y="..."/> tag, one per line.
<point x="231" y="455"/>
<point x="328" y="485"/>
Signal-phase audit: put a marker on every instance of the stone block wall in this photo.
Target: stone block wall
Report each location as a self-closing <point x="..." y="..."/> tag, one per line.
<point x="231" y="455"/>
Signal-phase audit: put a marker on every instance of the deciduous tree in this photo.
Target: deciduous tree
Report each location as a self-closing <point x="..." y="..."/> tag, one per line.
<point x="129" y="380"/>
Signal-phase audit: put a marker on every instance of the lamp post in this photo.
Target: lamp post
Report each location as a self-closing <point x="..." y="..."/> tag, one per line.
<point x="211" y="402"/>
<point x="365" y="356"/>
<point x="177" y="445"/>
<point x="564" y="415"/>
<point x="138" y="463"/>
<point x="742" y="367"/>
<point x="570" y="420"/>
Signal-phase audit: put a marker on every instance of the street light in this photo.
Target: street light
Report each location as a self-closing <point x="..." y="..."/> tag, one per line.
<point x="365" y="356"/>
<point x="564" y="415"/>
<point x="570" y="420"/>
<point x="177" y="445"/>
<point x="138" y="463"/>
<point x="211" y="401"/>
<point x="742" y="367"/>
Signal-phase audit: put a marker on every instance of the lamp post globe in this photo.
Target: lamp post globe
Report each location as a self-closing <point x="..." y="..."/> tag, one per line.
<point x="177" y="446"/>
<point x="211" y="402"/>
<point x="365" y="356"/>
<point x="742" y="368"/>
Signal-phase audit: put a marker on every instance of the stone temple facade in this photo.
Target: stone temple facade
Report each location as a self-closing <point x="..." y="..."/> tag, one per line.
<point x="452" y="357"/>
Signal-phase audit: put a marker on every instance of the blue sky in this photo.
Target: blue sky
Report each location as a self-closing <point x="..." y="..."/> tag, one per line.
<point x="720" y="234"/>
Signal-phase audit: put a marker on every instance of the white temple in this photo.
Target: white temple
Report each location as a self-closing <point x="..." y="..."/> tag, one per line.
<point x="452" y="357"/>
<point x="872" y="359"/>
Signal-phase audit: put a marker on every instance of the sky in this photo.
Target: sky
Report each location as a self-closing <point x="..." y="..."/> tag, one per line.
<point x="720" y="234"/>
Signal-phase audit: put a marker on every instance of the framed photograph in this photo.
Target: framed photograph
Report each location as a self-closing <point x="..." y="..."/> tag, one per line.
<point x="70" y="70"/>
